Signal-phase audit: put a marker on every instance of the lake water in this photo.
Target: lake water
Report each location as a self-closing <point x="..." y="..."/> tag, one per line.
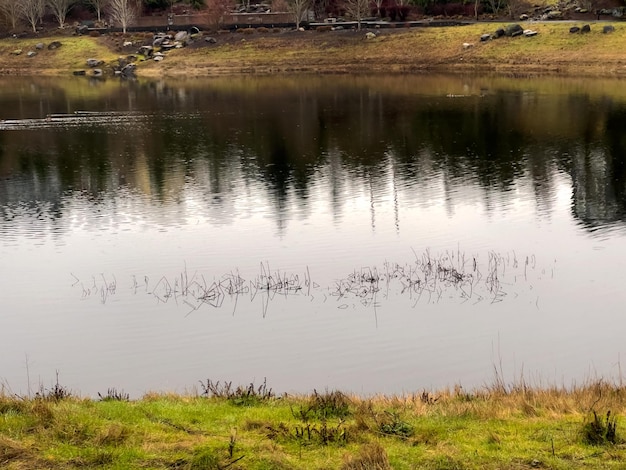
<point x="372" y="234"/>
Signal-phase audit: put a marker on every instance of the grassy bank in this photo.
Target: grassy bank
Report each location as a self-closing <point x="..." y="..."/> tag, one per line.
<point x="497" y="427"/>
<point x="553" y="51"/>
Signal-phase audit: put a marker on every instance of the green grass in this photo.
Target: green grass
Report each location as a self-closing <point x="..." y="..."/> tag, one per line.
<point x="494" y="428"/>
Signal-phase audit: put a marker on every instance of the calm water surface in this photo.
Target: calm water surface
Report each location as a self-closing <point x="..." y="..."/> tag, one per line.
<point x="387" y="234"/>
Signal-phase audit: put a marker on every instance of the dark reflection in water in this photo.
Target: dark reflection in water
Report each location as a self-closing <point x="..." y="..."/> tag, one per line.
<point x="154" y="183"/>
<point x="225" y="136"/>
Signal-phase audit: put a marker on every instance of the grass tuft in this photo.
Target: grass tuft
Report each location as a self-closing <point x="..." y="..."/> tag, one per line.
<point x="370" y="457"/>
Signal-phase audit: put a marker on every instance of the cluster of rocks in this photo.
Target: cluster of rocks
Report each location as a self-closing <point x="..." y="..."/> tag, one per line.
<point x="606" y="29"/>
<point x="512" y="30"/>
<point x="40" y="46"/>
<point x="155" y="50"/>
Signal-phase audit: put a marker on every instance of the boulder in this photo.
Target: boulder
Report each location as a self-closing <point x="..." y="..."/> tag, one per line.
<point x="158" y="58"/>
<point x="499" y="33"/>
<point x="608" y="29"/>
<point x="146" y="51"/>
<point x="128" y="70"/>
<point x="574" y="30"/>
<point x="529" y="33"/>
<point x="127" y="43"/>
<point x="194" y="30"/>
<point x="54" y="45"/>
<point x="523" y="17"/>
<point x="211" y="40"/>
<point x="82" y="29"/>
<point x="555" y="15"/>
<point x="485" y="37"/>
<point x="39" y="46"/>
<point x="585" y="29"/>
<point x="181" y="36"/>
<point x="513" y="30"/>
<point x="93" y="63"/>
<point x="16" y="52"/>
<point x="467" y="45"/>
<point x="31" y="53"/>
<point x="370" y="35"/>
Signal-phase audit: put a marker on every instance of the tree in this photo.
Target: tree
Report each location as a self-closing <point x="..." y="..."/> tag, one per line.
<point x="60" y="9"/>
<point x="11" y="11"/>
<point x="357" y="10"/>
<point x="122" y="12"/>
<point x="298" y="8"/>
<point x="99" y="6"/>
<point x="32" y="11"/>
<point x="379" y="7"/>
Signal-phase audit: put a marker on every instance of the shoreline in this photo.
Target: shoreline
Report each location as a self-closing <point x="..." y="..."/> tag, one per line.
<point x="455" y="49"/>
<point x="501" y="426"/>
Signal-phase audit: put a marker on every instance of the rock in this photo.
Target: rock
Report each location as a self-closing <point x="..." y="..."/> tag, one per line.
<point x="158" y="41"/>
<point x="93" y="63"/>
<point x="529" y="33"/>
<point x="485" y="37"/>
<point x="554" y="15"/>
<point x="97" y="72"/>
<point x="54" y="45"/>
<point x="79" y="72"/>
<point x="158" y="58"/>
<point x="513" y="30"/>
<point x="194" y="30"/>
<point x="16" y="52"/>
<point x="370" y="35"/>
<point x="82" y="29"/>
<point x="301" y="29"/>
<point x="146" y="51"/>
<point x="31" y="53"/>
<point x="211" y="40"/>
<point x="523" y="17"/>
<point x="39" y="46"/>
<point x="499" y="33"/>
<point x="467" y="45"/>
<point x="181" y="36"/>
<point x="585" y="29"/>
<point x="127" y="43"/>
<point x="574" y="29"/>
<point x="128" y="70"/>
<point x="608" y="29"/>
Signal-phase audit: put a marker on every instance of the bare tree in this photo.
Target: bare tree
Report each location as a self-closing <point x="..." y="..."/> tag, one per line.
<point x="357" y="10"/>
<point x="32" y="11"/>
<point x="99" y="6"/>
<point x="10" y="9"/>
<point x="60" y="9"/>
<point x="122" y="12"/>
<point x="299" y="8"/>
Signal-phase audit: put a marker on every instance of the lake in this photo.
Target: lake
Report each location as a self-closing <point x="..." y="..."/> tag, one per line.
<point x="386" y="234"/>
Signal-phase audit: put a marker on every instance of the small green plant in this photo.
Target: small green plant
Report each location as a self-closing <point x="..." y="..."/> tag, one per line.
<point x="394" y="426"/>
<point x="598" y="431"/>
<point x="330" y="404"/>
<point x="241" y="396"/>
<point x="114" y="395"/>
<point x="58" y="392"/>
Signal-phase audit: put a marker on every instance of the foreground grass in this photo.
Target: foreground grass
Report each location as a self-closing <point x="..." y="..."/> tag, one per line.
<point x="554" y="50"/>
<point x="495" y="428"/>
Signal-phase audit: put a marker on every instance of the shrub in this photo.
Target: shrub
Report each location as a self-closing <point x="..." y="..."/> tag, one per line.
<point x="600" y="431"/>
